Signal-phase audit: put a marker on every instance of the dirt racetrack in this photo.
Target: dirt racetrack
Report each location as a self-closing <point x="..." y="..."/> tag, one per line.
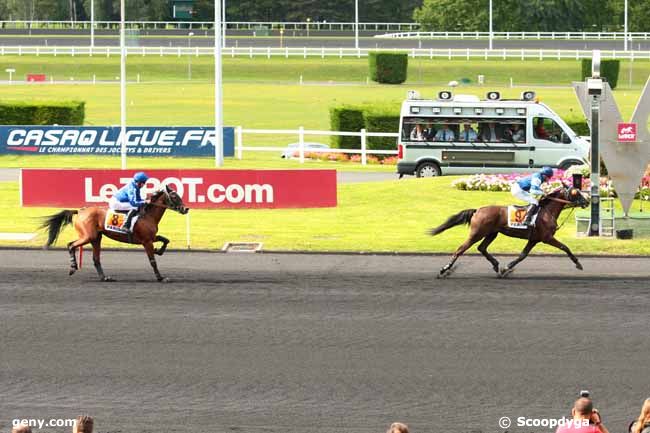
<point x="319" y="343"/>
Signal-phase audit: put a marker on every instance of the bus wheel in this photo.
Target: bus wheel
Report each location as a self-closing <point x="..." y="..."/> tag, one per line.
<point x="428" y="169"/>
<point x="567" y="164"/>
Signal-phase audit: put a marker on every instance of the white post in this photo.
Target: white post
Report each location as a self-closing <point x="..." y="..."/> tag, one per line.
<point x="218" y="98"/>
<point x="240" y="143"/>
<point x="92" y="24"/>
<point x="356" y="24"/>
<point x="301" y="144"/>
<point x="364" y="156"/>
<point x="625" y="29"/>
<point x="122" y="88"/>
<point x="223" y="18"/>
<point x="187" y="230"/>
<point x="491" y="35"/>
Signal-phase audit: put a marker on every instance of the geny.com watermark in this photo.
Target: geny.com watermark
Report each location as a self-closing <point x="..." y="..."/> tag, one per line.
<point x="43" y="423"/>
<point x="550" y="423"/>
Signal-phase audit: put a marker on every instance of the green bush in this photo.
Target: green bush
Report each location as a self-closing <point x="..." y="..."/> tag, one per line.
<point x="388" y="68"/>
<point x="381" y="119"/>
<point x="42" y="113"/>
<point x="609" y="69"/>
<point x="578" y="124"/>
<point x="346" y="118"/>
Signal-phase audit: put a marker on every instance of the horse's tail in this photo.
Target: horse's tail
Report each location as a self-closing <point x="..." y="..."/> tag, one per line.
<point x="462" y="217"/>
<point x="55" y="224"/>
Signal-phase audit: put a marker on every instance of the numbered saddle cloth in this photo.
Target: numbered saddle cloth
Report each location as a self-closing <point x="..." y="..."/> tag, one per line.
<point x="115" y="221"/>
<point x="517" y="215"/>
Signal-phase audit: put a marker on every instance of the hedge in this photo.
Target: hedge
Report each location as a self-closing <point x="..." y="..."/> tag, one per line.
<point x="381" y="119"/>
<point x="346" y="118"/>
<point x="609" y="69"/>
<point x="388" y="68"/>
<point x="42" y="113"/>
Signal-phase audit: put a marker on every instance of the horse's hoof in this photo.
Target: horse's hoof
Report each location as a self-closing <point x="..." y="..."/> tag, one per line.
<point x="108" y="279"/>
<point x="158" y="253"/>
<point x="505" y="272"/>
<point x="72" y="271"/>
<point x="579" y="266"/>
<point x="164" y="280"/>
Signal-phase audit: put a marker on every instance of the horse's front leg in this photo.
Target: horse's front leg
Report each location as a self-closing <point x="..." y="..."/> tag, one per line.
<point x="508" y="269"/>
<point x="557" y="244"/>
<point x="162" y="249"/>
<point x="149" y="249"/>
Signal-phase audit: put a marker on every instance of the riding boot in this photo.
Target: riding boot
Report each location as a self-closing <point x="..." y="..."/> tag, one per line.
<point x="532" y="210"/>
<point x="129" y="217"/>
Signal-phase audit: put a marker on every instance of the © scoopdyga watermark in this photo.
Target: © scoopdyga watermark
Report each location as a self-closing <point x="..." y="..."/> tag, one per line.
<point x="43" y="423"/>
<point x="550" y="423"/>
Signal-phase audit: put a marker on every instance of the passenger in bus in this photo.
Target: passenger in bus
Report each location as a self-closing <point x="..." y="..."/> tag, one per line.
<point x="417" y="133"/>
<point x="540" y="131"/>
<point x="515" y="133"/>
<point x="429" y="132"/>
<point x="491" y="133"/>
<point x="467" y="134"/>
<point x="445" y="134"/>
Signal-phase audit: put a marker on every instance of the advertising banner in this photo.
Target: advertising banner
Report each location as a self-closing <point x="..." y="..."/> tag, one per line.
<point x="104" y="140"/>
<point x="200" y="189"/>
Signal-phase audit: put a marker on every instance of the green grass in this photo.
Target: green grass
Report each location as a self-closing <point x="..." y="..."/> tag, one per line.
<point x="438" y="71"/>
<point x="374" y="217"/>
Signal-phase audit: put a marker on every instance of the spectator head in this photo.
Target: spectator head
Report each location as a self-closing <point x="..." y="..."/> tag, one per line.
<point x="83" y="424"/>
<point x="467" y="126"/>
<point x="583" y="408"/>
<point x="398" y="427"/>
<point x="21" y="429"/>
<point x="644" y="417"/>
<point x="492" y="125"/>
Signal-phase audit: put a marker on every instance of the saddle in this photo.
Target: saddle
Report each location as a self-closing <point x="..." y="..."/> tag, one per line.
<point x="116" y="219"/>
<point x="517" y="216"/>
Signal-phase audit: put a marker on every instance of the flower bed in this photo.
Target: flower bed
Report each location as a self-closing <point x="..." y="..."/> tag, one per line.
<point x="502" y="182"/>
<point x="344" y="157"/>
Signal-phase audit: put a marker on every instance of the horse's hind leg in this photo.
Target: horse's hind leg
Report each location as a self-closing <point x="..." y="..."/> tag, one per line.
<point x="97" y="249"/>
<point x="474" y="237"/>
<point x="72" y="249"/>
<point x="557" y="244"/>
<point x="162" y="249"/>
<point x="483" y="249"/>
<point x="508" y="269"/>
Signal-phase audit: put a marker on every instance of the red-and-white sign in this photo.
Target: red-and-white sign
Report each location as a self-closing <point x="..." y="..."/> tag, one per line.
<point x="626" y="132"/>
<point x="206" y="189"/>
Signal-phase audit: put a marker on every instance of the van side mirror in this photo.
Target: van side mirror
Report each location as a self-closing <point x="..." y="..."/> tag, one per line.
<point x="565" y="138"/>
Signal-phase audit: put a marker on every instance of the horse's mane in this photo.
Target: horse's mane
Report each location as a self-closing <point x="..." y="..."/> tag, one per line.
<point x="553" y="193"/>
<point x="154" y="197"/>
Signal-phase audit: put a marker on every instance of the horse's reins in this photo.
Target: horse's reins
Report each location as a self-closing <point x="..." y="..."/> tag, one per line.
<point x="560" y="200"/>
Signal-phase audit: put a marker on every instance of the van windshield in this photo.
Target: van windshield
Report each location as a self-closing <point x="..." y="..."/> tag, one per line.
<point x="440" y="129"/>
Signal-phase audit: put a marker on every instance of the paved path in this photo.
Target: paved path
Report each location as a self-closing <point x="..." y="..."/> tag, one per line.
<point x="319" y="343"/>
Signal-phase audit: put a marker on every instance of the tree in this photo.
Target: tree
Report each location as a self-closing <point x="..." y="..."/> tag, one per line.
<point x="452" y="15"/>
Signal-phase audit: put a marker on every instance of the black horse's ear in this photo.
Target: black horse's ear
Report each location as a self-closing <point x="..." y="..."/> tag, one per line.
<point x="168" y="188"/>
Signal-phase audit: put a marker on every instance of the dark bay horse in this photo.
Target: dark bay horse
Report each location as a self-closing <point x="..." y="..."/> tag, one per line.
<point x="487" y="222"/>
<point x="89" y="225"/>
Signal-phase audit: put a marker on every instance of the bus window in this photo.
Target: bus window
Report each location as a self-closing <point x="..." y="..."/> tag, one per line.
<point x="548" y="129"/>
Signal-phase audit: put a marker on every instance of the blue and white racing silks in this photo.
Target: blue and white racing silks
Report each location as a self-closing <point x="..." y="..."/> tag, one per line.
<point x="130" y="193"/>
<point x="532" y="184"/>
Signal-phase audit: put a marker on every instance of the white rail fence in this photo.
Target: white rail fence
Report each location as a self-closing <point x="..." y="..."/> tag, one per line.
<point x="251" y="52"/>
<point x="568" y="36"/>
<point x="206" y="25"/>
<point x="301" y="132"/>
<point x="405" y="30"/>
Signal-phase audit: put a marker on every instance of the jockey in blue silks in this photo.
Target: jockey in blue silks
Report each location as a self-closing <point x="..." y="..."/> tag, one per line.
<point x="128" y="198"/>
<point x="529" y="189"/>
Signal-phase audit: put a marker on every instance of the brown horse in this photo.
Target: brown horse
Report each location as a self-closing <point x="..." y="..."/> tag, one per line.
<point x="487" y="222"/>
<point x="89" y="225"/>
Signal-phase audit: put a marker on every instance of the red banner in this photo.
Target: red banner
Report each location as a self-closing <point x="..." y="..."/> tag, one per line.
<point x="202" y="189"/>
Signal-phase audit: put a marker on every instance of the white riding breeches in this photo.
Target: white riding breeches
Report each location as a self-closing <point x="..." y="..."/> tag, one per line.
<point x="114" y="204"/>
<point x="519" y="193"/>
